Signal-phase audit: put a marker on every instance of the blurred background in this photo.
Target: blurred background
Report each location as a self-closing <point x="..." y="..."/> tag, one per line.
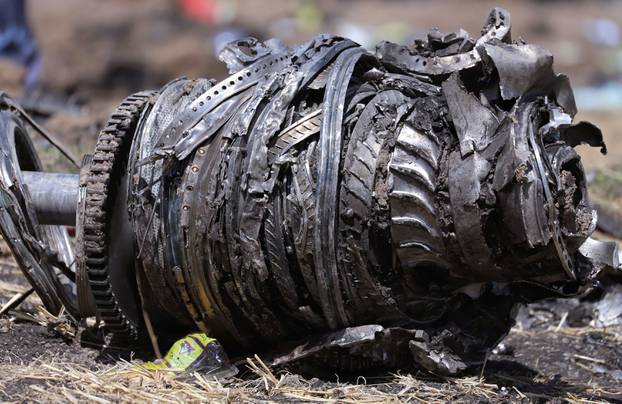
<point x="89" y="54"/>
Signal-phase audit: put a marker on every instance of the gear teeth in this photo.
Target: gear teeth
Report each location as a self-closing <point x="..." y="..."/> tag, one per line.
<point x="109" y="157"/>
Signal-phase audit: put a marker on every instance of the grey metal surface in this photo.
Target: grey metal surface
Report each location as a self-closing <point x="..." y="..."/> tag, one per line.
<point x="54" y="196"/>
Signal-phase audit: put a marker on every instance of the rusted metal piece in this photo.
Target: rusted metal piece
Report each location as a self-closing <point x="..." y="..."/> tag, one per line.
<point x="386" y="208"/>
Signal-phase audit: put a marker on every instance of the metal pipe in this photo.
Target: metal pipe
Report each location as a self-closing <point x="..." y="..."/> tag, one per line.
<point x="54" y="196"/>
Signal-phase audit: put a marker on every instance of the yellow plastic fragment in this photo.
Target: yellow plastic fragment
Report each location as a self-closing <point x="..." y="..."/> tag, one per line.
<point x="183" y="353"/>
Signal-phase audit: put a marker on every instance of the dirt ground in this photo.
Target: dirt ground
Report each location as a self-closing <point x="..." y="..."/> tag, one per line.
<point x="97" y="52"/>
<point x="547" y="362"/>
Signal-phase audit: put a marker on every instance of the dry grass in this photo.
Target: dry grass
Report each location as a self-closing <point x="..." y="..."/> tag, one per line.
<point x="125" y="382"/>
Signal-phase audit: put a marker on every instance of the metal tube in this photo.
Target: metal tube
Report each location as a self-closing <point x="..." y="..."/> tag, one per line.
<point x="54" y="196"/>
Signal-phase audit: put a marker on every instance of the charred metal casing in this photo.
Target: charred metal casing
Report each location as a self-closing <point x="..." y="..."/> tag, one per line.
<point x="389" y="202"/>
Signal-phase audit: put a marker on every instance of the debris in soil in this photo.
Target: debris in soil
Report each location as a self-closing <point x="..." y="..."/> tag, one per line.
<point x="608" y="309"/>
<point x="549" y="361"/>
<point x="547" y="365"/>
<point x="600" y="308"/>
<point x="344" y="210"/>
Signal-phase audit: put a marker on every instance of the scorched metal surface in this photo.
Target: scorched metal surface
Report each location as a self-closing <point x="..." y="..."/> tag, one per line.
<point x="325" y="202"/>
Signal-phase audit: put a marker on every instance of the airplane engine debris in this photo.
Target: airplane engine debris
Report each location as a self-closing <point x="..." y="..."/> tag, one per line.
<point x="348" y="207"/>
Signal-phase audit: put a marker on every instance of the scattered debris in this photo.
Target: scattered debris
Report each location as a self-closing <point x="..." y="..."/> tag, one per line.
<point x="341" y="209"/>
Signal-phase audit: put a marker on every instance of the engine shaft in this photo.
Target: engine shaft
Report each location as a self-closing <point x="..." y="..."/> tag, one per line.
<point x="54" y="196"/>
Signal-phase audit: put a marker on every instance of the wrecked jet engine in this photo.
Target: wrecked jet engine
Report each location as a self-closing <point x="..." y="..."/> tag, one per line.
<point x="324" y="202"/>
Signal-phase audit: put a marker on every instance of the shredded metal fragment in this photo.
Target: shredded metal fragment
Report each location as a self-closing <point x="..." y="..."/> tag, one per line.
<point x="353" y="209"/>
